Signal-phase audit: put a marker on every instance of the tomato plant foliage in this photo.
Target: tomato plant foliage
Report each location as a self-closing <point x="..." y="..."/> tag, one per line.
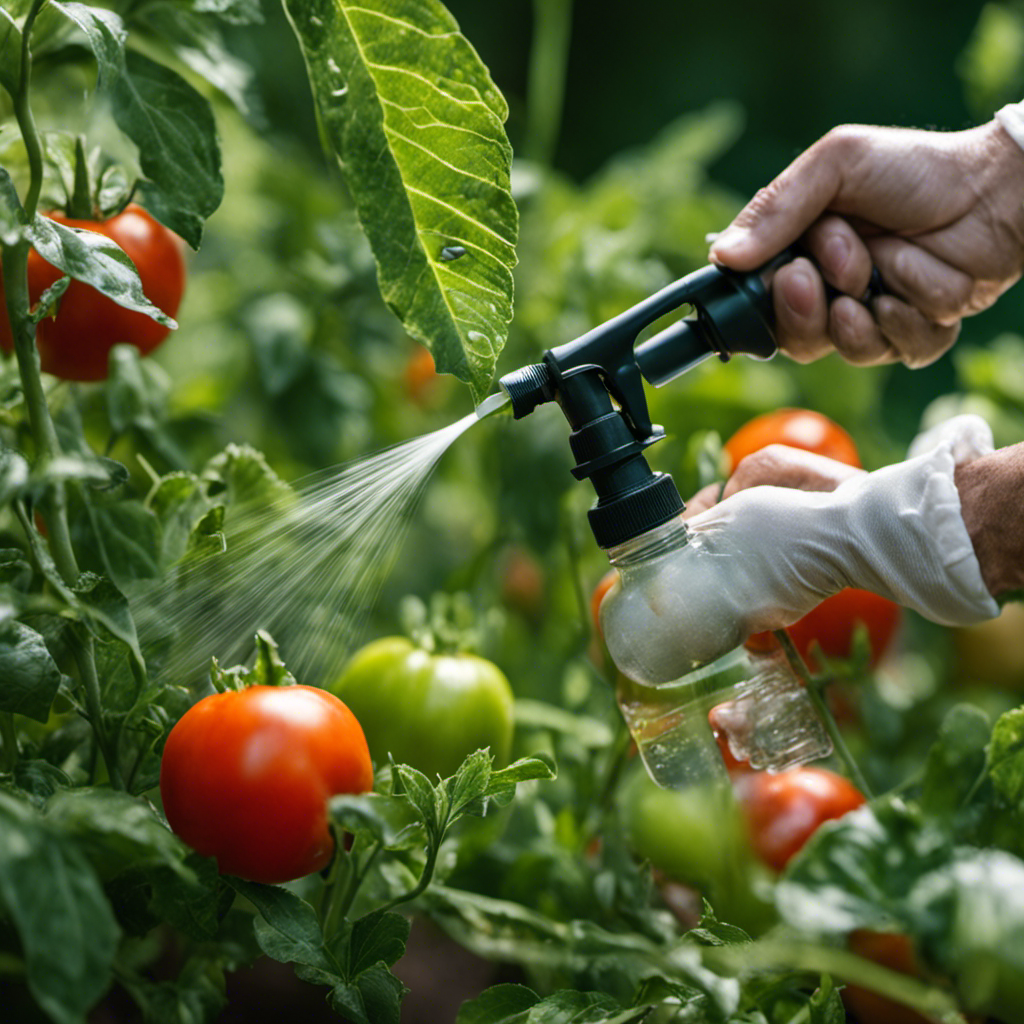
<point x="141" y="512"/>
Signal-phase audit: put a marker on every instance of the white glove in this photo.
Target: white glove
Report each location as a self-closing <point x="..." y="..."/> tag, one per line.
<point x="766" y="556"/>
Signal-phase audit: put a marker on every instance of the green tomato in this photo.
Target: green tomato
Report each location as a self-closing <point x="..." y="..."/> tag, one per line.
<point x="696" y="836"/>
<point x="427" y="710"/>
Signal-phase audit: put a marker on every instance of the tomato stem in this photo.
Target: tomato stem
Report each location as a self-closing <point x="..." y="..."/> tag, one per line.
<point x="814" y="694"/>
<point x="44" y="434"/>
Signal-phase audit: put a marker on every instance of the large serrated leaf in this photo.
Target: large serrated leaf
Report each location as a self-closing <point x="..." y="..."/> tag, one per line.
<point x="416" y="123"/>
<point x="171" y="124"/>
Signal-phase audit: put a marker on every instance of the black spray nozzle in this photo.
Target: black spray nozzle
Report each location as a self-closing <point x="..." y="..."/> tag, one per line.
<point x="598" y="380"/>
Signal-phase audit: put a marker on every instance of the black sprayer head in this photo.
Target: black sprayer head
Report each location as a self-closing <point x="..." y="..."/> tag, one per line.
<point x="598" y="382"/>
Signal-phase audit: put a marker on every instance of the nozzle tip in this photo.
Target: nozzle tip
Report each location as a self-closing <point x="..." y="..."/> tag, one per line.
<point x="527" y="388"/>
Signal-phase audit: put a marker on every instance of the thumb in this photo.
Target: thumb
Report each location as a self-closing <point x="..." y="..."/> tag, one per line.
<point x="785" y="208"/>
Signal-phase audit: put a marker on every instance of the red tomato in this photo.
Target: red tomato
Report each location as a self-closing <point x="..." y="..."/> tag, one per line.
<point x="604" y="584"/>
<point x="246" y="776"/>
<point x="833" y="623"/>
<point x="76" y="343"/>
<point x="889" y="950"/>
<point x="799" y="428"/>
<point x="783" y="810"/>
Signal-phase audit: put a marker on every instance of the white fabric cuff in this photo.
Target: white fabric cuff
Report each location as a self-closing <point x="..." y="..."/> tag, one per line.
<point x="1011" y="117"/>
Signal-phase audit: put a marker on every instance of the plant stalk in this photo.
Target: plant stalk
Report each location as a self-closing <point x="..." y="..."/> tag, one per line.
<point x="824" y="711"/>
<point x="552" y="28"/>
<point x="44" y="433"/>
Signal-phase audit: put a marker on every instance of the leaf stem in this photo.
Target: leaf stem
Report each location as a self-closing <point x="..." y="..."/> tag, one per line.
<point x="9" y="751"/>
<point x="552" y="29"/>
<point x="824" y="711"/>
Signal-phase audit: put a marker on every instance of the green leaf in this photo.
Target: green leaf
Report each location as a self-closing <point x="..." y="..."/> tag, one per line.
<point x="501" y="1004"/>
<point x="102" y="605"/>
<point x="379" y="937"/>
<point x="712" y="932"/>
<point x="52" y="896"/>
<point x="29" y="677"/>
<point x="288" y="931"/>
<point x="12" y="227"/>
<point x="171" y="124"/>
<point x="198" y="44"/>
<point x="374" y="997"/>
<point x="39" y="780"/>
<point x="115" y="830"/>
<point x="1006" y="757"/>
<point x="425" y="799"/>
<point x="387" y="819"/>
<point x="826" y="1005"/>
<point x="516" y="1004"/>
<point x="14" y="475"/>
<point x="956" y="759"/>
<point x="856" y="872"/>
<point x="97" y="260"/>
<point x="10" y="54"/>
<point x="416" y="123"/>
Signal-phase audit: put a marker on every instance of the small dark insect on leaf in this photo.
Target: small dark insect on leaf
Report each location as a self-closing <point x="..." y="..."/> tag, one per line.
<point x="452" y="252"/>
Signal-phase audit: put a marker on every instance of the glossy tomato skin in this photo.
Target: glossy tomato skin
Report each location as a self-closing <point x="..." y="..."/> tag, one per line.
<point x="798" y="428"/>
<point x="833" y="624"/>
<point x="427" y="710"/>
<point x="246" y="776"/>
<point x="76" y="343"/>
<point x="783" y="810"/>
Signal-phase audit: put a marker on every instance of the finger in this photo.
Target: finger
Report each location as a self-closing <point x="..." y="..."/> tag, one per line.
<point x="704" y="499"/>
<point x="841" y="255"/>
<point x="801" y="311"/>
<point x="856" y="335"/>
<point x="779" y="465"/>
<point x="915" y="339"/>
<point x="784" y="209"/>
<point x="938" y="291"/>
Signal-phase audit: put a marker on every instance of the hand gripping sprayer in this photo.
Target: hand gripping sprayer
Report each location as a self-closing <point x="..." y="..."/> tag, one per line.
<point x="598" y="382"/>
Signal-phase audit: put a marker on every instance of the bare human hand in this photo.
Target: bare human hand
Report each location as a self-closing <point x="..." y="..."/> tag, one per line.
<point x="940" y="214"/>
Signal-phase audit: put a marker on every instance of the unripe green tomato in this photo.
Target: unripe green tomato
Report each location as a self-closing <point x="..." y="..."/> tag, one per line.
<point x="696" y="836"/>
<point x="427" y="710"/>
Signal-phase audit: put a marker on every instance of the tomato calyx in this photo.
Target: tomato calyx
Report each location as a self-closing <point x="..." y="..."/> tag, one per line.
<point x="99" y="188"/>
<point x="447" y="625"/>
<point x="268" y="669"/>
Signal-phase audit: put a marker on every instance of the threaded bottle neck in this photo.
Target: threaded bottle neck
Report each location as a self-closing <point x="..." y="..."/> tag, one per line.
<point x="663" y="539"/>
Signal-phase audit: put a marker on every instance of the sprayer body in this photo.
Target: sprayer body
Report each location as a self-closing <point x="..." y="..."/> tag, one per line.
<point x="675" y="681"/>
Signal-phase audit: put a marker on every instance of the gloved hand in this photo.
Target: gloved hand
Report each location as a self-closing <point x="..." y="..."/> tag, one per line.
<point x="766" y="556"/>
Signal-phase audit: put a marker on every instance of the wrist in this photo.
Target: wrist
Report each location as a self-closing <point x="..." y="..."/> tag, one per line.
<point x="990" y="488"/>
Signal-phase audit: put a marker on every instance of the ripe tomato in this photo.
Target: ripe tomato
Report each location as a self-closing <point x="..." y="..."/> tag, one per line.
<point x="427" y="710"/>
<point x="799" y="428"/>
<point x="889" y="950"/>
<point x="76" y="343"/>
<point x="604" y="584"/>
<point x="782" y="811"/>
<point x="833" y="623"/>
<point x="246" y="776"/>
<point x="523" y="582"/>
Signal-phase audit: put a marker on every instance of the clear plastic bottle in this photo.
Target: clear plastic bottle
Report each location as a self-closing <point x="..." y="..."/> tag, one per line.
<point x="667" y="691"/>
